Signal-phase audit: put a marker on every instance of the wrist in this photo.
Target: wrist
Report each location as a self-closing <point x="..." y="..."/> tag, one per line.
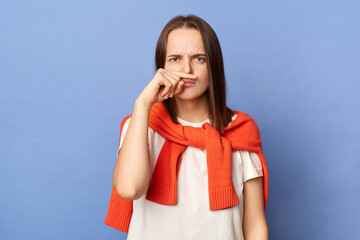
<point x="143" y="103"/>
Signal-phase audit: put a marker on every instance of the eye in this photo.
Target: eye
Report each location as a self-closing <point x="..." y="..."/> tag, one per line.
<point x="172" y="59"/>
<point x="201" y="58"/>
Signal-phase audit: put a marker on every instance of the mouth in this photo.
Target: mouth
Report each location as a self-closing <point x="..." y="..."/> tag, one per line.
<point x="188" y="82"/>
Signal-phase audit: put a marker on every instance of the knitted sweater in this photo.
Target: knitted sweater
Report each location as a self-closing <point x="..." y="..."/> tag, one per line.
<point x="242" y="134"/>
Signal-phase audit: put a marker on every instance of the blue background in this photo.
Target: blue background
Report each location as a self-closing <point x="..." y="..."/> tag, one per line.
<point x="71" y="70"/>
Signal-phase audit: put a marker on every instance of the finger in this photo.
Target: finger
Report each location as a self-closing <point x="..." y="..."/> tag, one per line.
<point x="184" y="75"/>
<point x="173" y="80"/>
<point x="179" y="84"/>
<point x="172" y="77"/>
<point x="179" y="88"/>
<point x="175" y="76"/>
<point x="167" y="86"/>
<point x="177" y="79"/>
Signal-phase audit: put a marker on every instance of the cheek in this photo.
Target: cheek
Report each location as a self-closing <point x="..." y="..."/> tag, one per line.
<point x="171" y="67"/>
<point x="203" y="74"/>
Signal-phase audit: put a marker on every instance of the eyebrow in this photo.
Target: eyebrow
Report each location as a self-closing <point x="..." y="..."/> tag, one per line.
<point x="195" y="55"/>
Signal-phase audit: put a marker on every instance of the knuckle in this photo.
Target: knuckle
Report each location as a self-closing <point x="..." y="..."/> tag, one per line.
<point x="172" y="82"/>
<point x="162" y="76"/>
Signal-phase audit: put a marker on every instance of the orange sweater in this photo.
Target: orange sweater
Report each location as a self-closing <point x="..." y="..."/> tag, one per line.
<point x="241" y="134"/>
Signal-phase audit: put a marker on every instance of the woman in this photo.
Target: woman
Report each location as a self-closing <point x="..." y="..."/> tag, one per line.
<point x="188" y="166"/>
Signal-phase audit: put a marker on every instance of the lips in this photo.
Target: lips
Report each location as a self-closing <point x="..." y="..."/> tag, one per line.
<point x="188" y="81"/>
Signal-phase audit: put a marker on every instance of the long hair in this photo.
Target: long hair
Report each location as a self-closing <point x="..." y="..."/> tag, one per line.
<point x="220" y="114"/>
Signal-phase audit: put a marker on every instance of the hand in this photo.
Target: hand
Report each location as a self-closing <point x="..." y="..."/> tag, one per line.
<point x="164" y="84"/>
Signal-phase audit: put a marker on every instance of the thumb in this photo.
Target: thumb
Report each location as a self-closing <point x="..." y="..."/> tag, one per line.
<point x="179" y="87"/>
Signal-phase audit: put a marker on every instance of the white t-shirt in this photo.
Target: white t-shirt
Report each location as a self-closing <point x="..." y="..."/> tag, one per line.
<point x="191" y="218"/>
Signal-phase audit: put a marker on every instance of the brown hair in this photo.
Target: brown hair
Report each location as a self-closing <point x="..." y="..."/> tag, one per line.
<point x="220" y="114"/>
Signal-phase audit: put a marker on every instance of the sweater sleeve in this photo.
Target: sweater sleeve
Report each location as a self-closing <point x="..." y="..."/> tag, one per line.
<point x="120" y="210"/>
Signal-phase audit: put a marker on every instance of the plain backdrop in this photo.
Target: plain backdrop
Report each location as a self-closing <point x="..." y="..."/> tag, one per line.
<point x="71" y="70"/>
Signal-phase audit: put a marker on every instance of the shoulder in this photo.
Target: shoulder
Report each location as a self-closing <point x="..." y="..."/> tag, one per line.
<point x="125" y="124"/>
<point x="243" y="115"/>
<point x="247" y="123"/>
<point x="126" y="119"/>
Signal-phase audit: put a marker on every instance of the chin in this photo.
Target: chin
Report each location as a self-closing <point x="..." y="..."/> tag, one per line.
<point x="188" y="96"/>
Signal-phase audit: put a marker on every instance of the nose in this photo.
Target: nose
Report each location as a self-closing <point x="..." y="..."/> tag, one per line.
<point x="187" y="68"/>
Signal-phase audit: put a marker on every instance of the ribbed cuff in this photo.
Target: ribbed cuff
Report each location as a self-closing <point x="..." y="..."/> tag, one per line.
<point x="162" y="193"/>
<point x="220" y="198"/>
<point x="118" y="219"/>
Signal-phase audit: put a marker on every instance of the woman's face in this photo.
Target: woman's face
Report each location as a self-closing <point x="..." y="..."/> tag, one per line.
<point x="185" y="53"/>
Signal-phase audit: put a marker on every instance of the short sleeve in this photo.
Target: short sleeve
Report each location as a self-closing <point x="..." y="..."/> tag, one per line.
<point x="124" y="130"/>
<point x="252" y="166"/>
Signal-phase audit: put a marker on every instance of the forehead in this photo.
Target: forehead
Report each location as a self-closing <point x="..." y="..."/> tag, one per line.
<point x="184" y="40"/>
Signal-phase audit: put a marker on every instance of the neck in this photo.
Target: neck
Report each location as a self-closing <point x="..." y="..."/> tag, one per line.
<point x="195" y="110"/>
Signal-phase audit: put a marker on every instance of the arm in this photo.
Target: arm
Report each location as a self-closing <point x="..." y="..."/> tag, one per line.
<point x="254" y="221"/>
<point x="132" y="170"/>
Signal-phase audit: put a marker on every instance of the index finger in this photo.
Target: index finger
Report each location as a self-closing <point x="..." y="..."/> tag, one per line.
<point x="184" y="75"/>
